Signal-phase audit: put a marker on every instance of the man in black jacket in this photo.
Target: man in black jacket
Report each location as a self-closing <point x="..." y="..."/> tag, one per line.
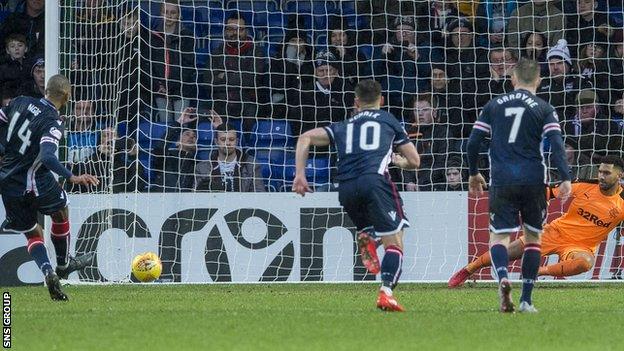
<point x="176" y="170"/>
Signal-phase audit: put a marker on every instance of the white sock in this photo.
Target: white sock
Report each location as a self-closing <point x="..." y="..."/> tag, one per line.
<point x="386" y="290"/>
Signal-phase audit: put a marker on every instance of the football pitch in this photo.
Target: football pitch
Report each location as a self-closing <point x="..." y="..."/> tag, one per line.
<point x="313" y="317"/>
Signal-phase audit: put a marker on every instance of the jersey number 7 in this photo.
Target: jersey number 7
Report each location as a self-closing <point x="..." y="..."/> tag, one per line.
<point x="517" y="113"/>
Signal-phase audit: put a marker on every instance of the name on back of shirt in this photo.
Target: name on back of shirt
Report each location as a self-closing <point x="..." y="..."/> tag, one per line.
<point x="364" y="114"/>
<point x="34" y="110"/>
<point x="517" y="96"/>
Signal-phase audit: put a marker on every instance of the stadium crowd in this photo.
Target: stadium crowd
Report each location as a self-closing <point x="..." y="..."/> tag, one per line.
<point x="181" y="96"/>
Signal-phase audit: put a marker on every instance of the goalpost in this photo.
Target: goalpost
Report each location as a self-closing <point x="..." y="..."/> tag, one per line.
<point x="112" y="51"/>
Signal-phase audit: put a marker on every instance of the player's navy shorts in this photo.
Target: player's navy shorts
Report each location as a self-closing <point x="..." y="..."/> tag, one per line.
<point x="21" y="212"/>
<point x="508" y="203"/>
<point x="372" y="200"/>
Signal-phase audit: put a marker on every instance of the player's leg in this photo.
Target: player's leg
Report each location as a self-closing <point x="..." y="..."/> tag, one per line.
<point x="54" y="204"/>
<point x="22" y="218"/>
<point x="576" y="262"/>
<point x="504" y="220"/>
<point x="514" y="252"/>
<point x="533" y="215"/>
<point x="385" y="209"/>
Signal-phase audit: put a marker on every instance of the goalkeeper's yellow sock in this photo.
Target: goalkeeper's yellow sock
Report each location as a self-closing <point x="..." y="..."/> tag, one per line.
<point x="566" y="268"/>
<point x="482" y="261"/>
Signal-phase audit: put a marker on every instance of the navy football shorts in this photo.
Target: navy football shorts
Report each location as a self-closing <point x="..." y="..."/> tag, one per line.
<point x="508" y="203"/>
<point x="22" y="212"/>
<point x="372" y="200"/>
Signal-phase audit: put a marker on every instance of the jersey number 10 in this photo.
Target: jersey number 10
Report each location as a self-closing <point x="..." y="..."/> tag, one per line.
<point x="365" y="129"/>
<point x="23" y="133"/>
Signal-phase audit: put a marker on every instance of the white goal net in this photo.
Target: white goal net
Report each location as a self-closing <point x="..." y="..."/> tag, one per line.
<point x="189" y="111"/>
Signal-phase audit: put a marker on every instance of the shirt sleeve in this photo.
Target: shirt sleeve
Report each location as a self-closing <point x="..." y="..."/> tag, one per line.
<point x="3" y="115"/>
<point x="483" y="123"/>
<point x="400" y="135"/>
<point x="551" y="124"/>
<point x="330" y="132"/>
<point x="53" y="134"/>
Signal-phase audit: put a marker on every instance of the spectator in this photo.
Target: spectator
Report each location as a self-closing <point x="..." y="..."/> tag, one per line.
<point x="591" y="127"/>
<point x="176" y="171"/>
<point x="535" y="47"/>
<point x="403" y="65"/>
<point x="229" y="169"/>
<point x="29" y="22"/>
<point x="354" y="65"/>
<point x="580" y="165"/>
<point x="593" y="66"/>
<point x="326" y="100"/>
<point x="82" y="135"/>
<point x="433" y="16"/>
<point x="502" y="63"/>
<point x="430" y="139"/>
<point x="292" y="71"/>
<point x="16" y="67"/>
<point x="492" y="20"/>
<point x="465" y="63"/>
<point x="92" y="55"/>
<point x="617" y="112"/>
<point x="535" y="16"/>
<point x="562" y="85"/>
<point x="447" y="98"/>
<point x="616" y="65"/>
<point x="177" y="87"/>
<point x="35" y="86"/>
<point x="235" y="71"/>
<point x="587" y="26"/>
<point x="454" y="176"/>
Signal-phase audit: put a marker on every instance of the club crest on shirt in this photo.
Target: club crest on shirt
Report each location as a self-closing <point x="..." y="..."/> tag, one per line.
<point x="614" y="212"/>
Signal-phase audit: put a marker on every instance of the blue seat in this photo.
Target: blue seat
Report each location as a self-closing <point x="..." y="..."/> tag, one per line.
<point x="269" y="160"/>
<point x="145" y="158"/>
<point x="205" y="134"/>
<point x="271" y="134"/>
<point x="122" y="128"/>
<point x="317" y="170"/>
<point x="150" y="134"/>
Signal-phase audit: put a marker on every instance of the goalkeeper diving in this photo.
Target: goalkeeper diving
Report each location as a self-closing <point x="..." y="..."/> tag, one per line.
<point x="596" y="209"/>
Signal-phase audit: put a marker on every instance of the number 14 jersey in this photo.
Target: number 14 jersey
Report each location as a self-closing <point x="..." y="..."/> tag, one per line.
<point x="517" y="123"/>
<point x="25" y="124"/>
<point x="364" y="143"/>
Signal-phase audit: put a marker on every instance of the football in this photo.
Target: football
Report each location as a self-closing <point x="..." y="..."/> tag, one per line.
<point x="146" y="267"/>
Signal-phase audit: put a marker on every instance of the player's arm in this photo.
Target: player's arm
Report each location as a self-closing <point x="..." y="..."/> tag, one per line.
<point x="408" y="158"/>
<point x="47" y="154"/>
<point x="552" y="131"/>
<point x="316" y="137"/>
<point x="480" y="131"/>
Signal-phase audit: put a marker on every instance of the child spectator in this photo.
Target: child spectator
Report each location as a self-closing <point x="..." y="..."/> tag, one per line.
<point x="16" y="67"/>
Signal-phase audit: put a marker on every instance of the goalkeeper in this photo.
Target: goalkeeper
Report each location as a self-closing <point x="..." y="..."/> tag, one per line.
<point x="597" y="207"/>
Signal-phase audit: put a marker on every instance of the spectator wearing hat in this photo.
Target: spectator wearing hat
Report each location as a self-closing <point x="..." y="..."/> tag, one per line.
<point x="402" y="65"/>
<point x="591" y="126"/>
<point x="327" y="99"/>
<point x="30" y="22"/>
<point x="502" y="63"/>
<point x="535" y="16"/>
<point x="292" y="70"/>
<point x="466" y="63"/>
<point x="586" y="26"/>
<point x="562" y="85"/>
<point x="492" y="20"/>
<point x="341" y="41"/>
<point x="35" y="87"/>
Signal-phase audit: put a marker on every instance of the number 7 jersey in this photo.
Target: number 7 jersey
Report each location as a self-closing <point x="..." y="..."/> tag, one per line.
<point x="364" y="143"/>
<point x="24" y="124"/>
<point x="517" y="123"/>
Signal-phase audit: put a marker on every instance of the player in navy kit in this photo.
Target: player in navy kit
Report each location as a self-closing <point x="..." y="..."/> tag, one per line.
<point x="30" y="131"/>
<point x="365" y="145"/>
<point x="517" y="123"/>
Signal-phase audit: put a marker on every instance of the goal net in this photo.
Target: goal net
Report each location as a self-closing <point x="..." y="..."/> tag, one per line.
<point x="189" y="111"/>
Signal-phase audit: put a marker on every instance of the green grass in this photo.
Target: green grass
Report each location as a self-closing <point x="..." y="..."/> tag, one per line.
<point x="313" y="316"/>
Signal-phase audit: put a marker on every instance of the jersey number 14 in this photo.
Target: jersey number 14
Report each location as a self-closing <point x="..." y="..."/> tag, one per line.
<point x="23" y="133"/>
<point x="368" y="130"/>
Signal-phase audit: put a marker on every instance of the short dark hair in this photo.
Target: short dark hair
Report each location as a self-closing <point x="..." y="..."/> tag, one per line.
<point x="368" y="91"/>
<point x="427" y="97"/>
<point x="226" y="128"/>
<point x="15" y="37"/>
<point x="527" y="71"/>
<point x="236" y="16"/>
<point x="613" y="160"/>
